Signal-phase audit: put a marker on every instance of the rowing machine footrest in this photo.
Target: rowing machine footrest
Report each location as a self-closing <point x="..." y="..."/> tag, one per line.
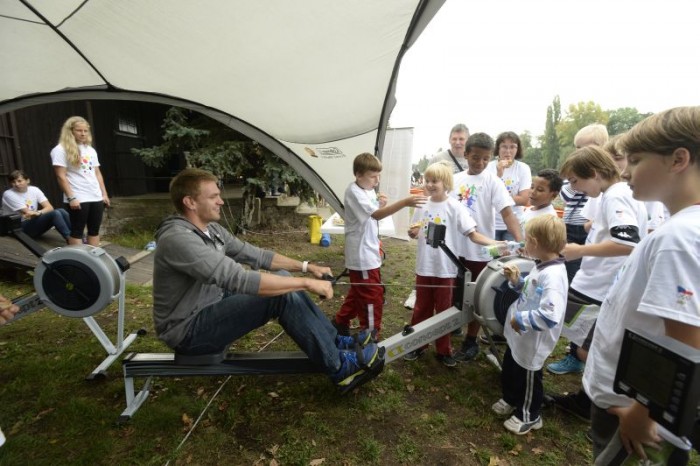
<point x="199" y="359"/>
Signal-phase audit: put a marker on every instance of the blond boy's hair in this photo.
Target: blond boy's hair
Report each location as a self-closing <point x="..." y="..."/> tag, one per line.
<point x="440" y="171"/>
<point x="594" y="134"/>
<point x="549" y="231"/>
<point x="588" y="161"/>
<point x="366" y="162"/>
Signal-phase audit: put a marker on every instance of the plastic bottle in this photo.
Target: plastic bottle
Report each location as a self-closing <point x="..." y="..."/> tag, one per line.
<point x="325" y="240"/>
<point x="509" y="248"/>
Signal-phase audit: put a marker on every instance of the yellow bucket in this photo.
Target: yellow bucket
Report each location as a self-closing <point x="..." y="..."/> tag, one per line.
<point x="315" y="222"/>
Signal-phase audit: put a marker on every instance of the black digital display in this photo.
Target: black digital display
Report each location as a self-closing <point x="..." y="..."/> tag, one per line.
<point x="650" y="373"/>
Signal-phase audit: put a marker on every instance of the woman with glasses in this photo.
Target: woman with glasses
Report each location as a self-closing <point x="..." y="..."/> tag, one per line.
<point x="516" y="176"/>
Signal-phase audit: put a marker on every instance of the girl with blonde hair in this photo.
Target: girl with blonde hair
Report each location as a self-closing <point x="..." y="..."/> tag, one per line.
<point x="79" y="177"/>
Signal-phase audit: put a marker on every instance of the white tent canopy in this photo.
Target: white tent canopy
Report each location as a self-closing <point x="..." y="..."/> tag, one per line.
<point x="311" y="80"/>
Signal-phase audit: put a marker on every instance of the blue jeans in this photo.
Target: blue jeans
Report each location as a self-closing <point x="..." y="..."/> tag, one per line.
<point x="37" y="226"/>
<point x="220" y="324"/>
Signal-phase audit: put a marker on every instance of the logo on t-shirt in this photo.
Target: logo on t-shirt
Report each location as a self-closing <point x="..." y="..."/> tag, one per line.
<point x="468" y="195"/>
<point x="683" y="295"/>
<point x="86" y="163"/>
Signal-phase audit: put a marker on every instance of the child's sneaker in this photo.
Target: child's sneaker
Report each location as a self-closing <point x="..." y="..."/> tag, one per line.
<point x="446" y="360"/>
<point x="358" y="367"/>
<point x="518" y="427"/>
<point x="362" y="338"/>
<point x="568" y="365"/>
<point x="467" y="352"/>
<point x="502" y="408"/>
<point x="415" y="354"/>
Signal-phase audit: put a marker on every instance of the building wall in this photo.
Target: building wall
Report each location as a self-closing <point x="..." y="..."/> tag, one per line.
<point x="37" y="129"/>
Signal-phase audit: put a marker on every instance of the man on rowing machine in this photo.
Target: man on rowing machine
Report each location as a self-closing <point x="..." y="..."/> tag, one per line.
<point x="204" y="299"/>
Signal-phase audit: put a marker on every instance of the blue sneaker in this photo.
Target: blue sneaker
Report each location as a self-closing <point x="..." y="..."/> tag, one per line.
<point x="358" y="367"/>
<point x="568" y="365"/>
<point x="363" y="338"/>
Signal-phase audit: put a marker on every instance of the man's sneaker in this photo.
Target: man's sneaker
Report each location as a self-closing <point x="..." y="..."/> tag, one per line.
<point x="411" y="300"/>
<point x="362" y="338"/>
<point x="447" y="360"/>
<point x="576" y="404"/>
<point x="568" y="365"/>
<point x="358" y="367"/>
<point x="502" y="408"/>
<point x="519" y="427"/>
<point x="497" y="340"/>
<point x="415" y="354"/>
<point x="467" y="352"/>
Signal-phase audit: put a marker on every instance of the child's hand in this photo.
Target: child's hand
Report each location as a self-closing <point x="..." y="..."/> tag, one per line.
<point x="514" y="325"/>
<point x="512" y="273"/>
<point x="383" y="199"/>
<point x="415" y="200"/>
<point x="413" y="230"/>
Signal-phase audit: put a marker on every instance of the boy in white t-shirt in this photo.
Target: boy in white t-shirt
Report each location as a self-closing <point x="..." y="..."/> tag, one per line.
<point x="435" y="272"/>
<point x="38" y="215"/>
<point x="484" y="194"/>
<point x="536" y="320"/>
<point x="545" y="188"/>
<point x="619" y="223"/>
<point x="656" y="290"/>
<point x="363" y="210"/>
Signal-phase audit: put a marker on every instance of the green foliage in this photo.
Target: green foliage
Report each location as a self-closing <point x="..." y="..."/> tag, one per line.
<point x="549" y="142"/>
<point x="207" y="144"/>
<point x="623" y="119"/>
<point x="422" y="164"/>
<point x="578" y="116"/>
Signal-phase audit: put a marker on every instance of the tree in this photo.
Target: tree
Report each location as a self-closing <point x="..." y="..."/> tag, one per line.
<point x="622" y="119"/>
<point x="207" y="144"/>
<point x="578" y="116"/>
<point x="549" y="142"/>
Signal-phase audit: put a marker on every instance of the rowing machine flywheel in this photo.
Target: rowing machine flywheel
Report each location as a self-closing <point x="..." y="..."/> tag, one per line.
<point x="492" y="296"/>
<point x="77" y="281"/>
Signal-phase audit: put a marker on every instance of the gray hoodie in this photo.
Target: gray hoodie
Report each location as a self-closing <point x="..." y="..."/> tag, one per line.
<point x="192" y="270"/>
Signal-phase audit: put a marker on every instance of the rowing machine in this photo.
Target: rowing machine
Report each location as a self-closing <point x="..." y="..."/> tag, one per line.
<point x="78" y="282"/>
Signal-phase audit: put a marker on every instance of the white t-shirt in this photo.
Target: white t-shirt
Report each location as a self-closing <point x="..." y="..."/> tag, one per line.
<point x="14" y="201"/>
<point x="433" y="262"/>
<point x="481" y="194"/>
<point x="361" y="230"/>
<point x="516" y="178"/>
<point x="82" y="178"/>
<point x="658" y="281"/>
<point x="542" y="300"/>
<point x="617" y="208"/>
<point x="590" y="210"/>
<point x="530" y="212"/>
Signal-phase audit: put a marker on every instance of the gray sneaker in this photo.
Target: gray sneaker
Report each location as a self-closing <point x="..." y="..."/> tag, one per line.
<point x="415" y="354"/>
<point x="467" y="352"/>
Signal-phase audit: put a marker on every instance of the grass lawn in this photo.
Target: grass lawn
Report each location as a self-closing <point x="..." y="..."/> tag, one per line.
<point x="414" y="413"/>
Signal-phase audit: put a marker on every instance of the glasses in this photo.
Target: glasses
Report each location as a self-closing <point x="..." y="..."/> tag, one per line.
<point x="508" y="146"/>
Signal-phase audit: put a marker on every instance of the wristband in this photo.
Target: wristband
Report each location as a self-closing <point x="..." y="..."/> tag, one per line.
<point x="304" y="266"/>
<point x="70" y="199"/>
